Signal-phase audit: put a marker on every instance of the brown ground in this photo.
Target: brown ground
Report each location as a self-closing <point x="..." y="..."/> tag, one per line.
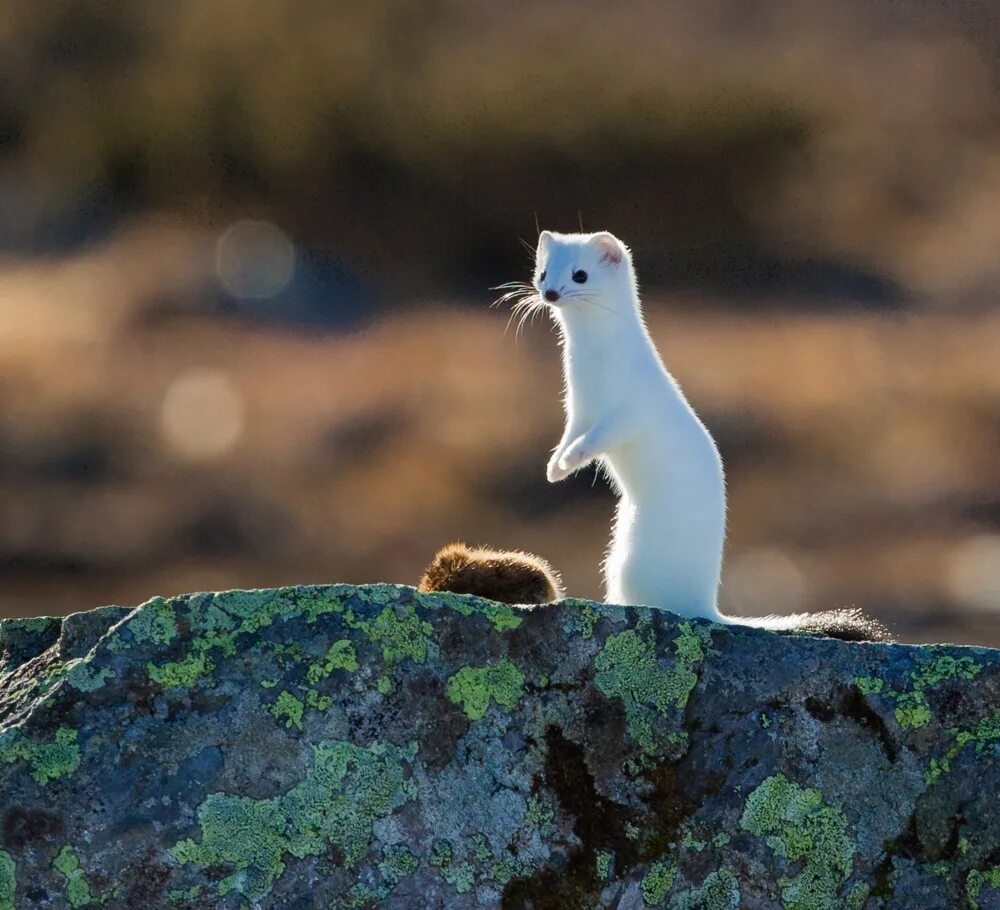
<point x="861" y="449"/>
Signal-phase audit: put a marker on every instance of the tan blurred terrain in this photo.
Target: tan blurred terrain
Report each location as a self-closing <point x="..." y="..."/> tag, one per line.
<point x="245" y="252"/>
<point x="152" y="447"/>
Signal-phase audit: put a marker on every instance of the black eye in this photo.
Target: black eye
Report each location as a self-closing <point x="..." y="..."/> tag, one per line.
<point x="580" y="276"/>
<point x="542" y="276"/>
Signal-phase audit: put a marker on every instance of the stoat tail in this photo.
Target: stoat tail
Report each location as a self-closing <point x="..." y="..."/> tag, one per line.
<point x="848" y="624"/>
<point x="508" y="576"/>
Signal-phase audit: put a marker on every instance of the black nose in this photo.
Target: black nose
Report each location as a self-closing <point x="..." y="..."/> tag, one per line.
<point x="551" y="296"/>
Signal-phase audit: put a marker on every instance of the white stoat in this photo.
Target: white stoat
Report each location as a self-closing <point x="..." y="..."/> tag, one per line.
<point x="624" y="408"/>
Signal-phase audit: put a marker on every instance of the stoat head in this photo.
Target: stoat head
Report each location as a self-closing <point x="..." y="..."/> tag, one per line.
<point x="574" y="270"/>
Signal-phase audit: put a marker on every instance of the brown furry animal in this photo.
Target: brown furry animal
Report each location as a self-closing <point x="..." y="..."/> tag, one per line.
<point x="515" y="577"/>
<point x="508" y="576"/>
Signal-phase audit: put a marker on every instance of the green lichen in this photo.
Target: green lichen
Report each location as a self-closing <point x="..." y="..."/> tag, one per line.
<point x="690" y="842"/>
<point x="383" y="685"/>
<point x="180" y="896"/>
<point x="798" y="825"/>
<point x="656" y="883"/>
<point x="475" y="687"/>
<point x="540" y="815"/>
<point x="82" y="675"/>
<point x="869" y="685"/>
<point x="287" y="706"/>
<point x="984" y="734"/>
<point x="47" y="761"/>
<point x="77" y="890"/>
<point x="857" y="896"/>
<point x="507" y="868"/>
<point x="182" y="673"/>
<point x="978" y="880"/>
<point x="720" y="839"/>
<point x="628" y="669"/>
<point x="380" y="594"/>
<point x="314" y="603"/>
<point x="397" y="862"/>
<point x="602" y="865"/>
<point x="401" y="634"/>
<point x="154" y="621"/>
<point x="345" y="791"/>
<point x="8" y="881"/>
<point x="341" y="656"/>
<point x="460" y="603"/>
<point x="502" y="617"/>
<point x="912" y="710"/>
<point x="719" y="891"/>
<point x="588" y="620"/>
<point x="220" y="619"/>
<point x="318" y="702"/>
<point x="460" y="876"/>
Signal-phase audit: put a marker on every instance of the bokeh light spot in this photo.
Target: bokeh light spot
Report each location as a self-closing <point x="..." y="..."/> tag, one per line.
<point x="973" y="572"/>
<point x="254" y="260"/>
<point x="203" y="414"/>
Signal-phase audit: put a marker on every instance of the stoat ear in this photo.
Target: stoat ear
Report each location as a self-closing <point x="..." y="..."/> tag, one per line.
<point x="610" y="248"/>
<point x="543" y="243"/>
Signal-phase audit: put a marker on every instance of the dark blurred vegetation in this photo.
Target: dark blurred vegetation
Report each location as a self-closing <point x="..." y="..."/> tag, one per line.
<point x="245" y="252"/>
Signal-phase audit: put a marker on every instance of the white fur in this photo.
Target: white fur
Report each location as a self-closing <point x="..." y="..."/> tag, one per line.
<point x="624" y="408"/>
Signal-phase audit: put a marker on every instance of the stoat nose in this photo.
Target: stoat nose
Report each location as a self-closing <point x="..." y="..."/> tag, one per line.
<point x="551" y="296"/>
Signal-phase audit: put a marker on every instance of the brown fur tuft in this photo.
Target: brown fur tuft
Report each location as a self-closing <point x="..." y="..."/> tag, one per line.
<point x="849" y="624"/>
<point x="508" y="576"/>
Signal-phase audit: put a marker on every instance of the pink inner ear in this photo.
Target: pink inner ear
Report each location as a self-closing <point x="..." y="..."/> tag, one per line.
<point x="611" y="251"/>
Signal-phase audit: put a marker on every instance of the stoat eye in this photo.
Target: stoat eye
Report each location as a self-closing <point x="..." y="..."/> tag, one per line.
<point x="580" y="276"/>
<point x="542" y="276"/>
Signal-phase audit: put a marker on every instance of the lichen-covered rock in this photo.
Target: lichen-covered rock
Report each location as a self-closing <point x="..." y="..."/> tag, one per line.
<point x="339" y="747"/>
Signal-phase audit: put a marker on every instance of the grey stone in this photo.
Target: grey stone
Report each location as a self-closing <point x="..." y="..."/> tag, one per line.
<point x="327" y="747"/>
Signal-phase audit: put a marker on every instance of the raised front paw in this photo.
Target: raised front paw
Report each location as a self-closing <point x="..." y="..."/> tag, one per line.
<point x="576" y="455"/>
<point x="554" y="473"/>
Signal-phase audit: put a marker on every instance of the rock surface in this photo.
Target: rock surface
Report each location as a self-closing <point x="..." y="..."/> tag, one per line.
<point x="331" y="747"/>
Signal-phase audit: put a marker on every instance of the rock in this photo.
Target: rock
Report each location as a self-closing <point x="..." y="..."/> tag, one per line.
<point x="328" y="747"/>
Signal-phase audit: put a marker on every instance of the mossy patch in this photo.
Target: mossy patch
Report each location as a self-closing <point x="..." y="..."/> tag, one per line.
<point x="588" y="618"/>
<point x="336" y="804"/>
<point x="461" y="876"/>
<point x="47" y="761"/>
<point x="84" y="676"/>
<point x="979" y="879"/>
<point x="719" y="891"/>
<point x="983" y="735"/>
<point x="154" y="621"/>
<point x="857" y="896"/>
<point x="656" y="883"/>
<point x="287" y="707"/>
<point x="77" y="890"/>
<point x="628" y="669"/>
<point x="8" y="881"/>
<point x="603" y="864"/>
<point x="798" y="826"/>
<point x="475" y="687"/>
<point x="912" y="710"/>
<point x="340" y="656"/>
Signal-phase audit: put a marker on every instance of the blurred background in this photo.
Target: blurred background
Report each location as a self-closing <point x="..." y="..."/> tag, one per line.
<point x="246" y="253"/>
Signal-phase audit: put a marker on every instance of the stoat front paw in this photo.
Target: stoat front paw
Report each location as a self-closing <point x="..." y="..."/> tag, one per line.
<point x="577" y="455"/>
<point x="554" y="473"/>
